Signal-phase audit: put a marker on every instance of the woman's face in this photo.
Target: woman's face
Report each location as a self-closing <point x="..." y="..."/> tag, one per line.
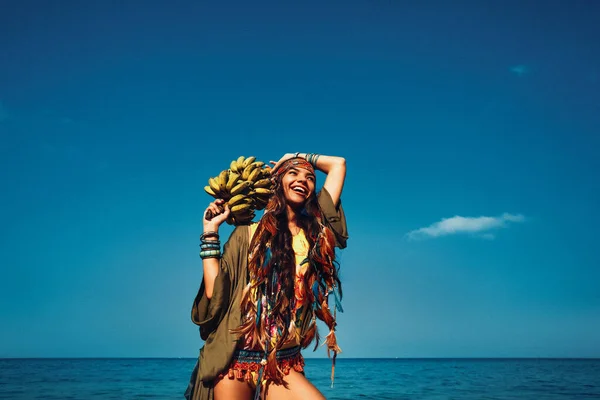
<point x="298" y="185"/>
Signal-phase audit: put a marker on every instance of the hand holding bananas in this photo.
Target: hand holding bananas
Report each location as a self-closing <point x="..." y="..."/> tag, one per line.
<point x="219" y="211"/>
<point x="244" y="188"/>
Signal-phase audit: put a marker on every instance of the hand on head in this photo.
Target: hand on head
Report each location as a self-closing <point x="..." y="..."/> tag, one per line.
<point x="285" y="157"/>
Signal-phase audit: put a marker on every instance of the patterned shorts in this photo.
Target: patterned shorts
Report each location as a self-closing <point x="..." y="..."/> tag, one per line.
<point x="245" y="364"/>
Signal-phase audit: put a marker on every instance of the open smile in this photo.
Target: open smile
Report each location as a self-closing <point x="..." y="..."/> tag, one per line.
<point x="300" y="190"/>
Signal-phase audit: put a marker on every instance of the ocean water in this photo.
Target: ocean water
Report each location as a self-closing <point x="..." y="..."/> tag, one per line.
<point x="426" y="379"/>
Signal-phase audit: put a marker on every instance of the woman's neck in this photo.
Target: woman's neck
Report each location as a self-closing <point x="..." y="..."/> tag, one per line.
<point x="293" y="224"/>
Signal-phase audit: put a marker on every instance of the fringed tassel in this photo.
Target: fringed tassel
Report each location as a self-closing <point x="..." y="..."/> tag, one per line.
<point x="332" y="346"/>
<point x="267" y="259"/>
<point x="333" y="368"/>
<point x="259" y="381"/>
<point x="317" y="338"/>
<point x="338" y="303"/>
<point x="271" y="367"/>
<point x="310" y="334"/>
<point x="331" y="342"/>
<point x="335" y="341"/>
<point x="258" y="310"/>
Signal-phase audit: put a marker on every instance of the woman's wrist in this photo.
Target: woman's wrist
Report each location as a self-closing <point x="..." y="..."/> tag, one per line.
<point x="312" y="158"/>
<point x="211" y="228"/>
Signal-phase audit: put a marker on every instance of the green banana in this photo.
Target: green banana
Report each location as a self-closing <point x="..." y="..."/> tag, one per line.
<point x="240" y="187"/>
<point x="233" y="166"/>
<point x="233" y="179"/>
<point x="244" y="214"/>
<point x="210" y="191"/>
<point x="247" y="171"/>
<point x="240" y="207"/>
<point x="265" y="174"/>
<point x="214" y="185"/>
<point x="245" y="185"/>
<point x="254" y="174"/>
<point x="262" y="191"/>
<point x="262" y="183"/>
<point x="240" y="161"/>
<point x="222" y="180"/>
<point x="236" y="199"/>
<point x="248" y="161"/>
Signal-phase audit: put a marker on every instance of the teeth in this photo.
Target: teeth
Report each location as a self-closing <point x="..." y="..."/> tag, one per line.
<point x="299" y="190"/>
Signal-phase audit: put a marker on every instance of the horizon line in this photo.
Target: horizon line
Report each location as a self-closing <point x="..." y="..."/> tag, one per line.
<point x="315" y="358"/>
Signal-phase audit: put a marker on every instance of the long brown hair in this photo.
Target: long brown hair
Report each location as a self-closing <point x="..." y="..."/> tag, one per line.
<point x="268" y="300"/>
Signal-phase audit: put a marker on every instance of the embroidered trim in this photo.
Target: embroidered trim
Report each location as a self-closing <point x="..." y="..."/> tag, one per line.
<point x="246" y="364"/>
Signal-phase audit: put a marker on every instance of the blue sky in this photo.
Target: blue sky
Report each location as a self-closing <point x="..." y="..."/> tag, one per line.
<point x="470" y="132"/>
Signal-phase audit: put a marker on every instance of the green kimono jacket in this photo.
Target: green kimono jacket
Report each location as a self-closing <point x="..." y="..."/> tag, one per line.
<point x="218" y="315"/>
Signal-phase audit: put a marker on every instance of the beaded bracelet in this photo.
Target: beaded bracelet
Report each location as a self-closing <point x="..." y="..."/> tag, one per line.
<point x="204" y="254"/>
<point x="209" y="234"/>
<point x="210" y="246"/>
<point x="210" y="243"/>
<point x="314" y="161"/>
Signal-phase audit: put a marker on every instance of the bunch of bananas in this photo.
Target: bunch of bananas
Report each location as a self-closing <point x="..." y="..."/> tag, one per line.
<point x="245" y="186"/>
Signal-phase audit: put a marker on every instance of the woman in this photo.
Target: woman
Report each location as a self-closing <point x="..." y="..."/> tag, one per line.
<point x="258" y="302"/>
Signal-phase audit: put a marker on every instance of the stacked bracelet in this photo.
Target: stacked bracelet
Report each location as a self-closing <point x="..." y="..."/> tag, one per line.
<point x="204" y="254"/>
<point x="312" y="159"/>
<point x="208" y="234"/>
<point x="210" y="248"/>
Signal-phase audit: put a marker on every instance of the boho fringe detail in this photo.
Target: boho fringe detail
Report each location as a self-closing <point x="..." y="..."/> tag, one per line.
<point x="246" y="364"/>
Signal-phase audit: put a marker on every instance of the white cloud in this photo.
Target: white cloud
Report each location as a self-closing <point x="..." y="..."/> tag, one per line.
<point x="472" y="225"/>
<point x="520" y="70"/>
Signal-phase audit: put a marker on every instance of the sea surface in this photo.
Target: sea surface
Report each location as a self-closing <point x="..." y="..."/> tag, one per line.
<point x="428" y="379"/>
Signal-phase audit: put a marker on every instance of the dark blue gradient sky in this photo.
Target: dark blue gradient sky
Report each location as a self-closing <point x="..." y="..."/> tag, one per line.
<point x="470" y="129"/>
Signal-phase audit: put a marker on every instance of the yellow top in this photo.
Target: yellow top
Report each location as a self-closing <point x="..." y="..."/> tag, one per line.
<point x="299" y="244"/>
<point x="301" y="247"/>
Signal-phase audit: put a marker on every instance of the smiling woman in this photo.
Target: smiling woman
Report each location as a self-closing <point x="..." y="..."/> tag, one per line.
<point x="298" y="184"/>
<point x="258" y="303"/>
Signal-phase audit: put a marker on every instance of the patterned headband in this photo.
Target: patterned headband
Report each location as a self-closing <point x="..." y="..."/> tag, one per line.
<point x="295" y="162"/>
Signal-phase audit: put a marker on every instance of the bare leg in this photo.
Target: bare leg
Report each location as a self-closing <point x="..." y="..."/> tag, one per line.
<point x="233" y="389"/>
<point x="298" y="388"/>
